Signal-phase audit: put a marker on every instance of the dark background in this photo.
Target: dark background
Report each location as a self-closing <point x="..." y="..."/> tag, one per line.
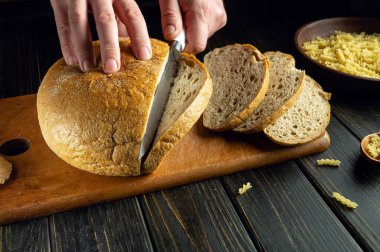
<point x="29" y="42"/>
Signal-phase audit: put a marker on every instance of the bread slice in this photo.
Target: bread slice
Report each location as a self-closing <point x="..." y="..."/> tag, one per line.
<point x="306" y="120"/>
<point x="240" y="77"/>
<point x="285" y="85"/>
<point x="188" y="98"/>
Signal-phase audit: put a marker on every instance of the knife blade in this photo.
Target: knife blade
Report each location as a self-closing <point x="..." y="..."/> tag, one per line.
<point x="162" y="93"/>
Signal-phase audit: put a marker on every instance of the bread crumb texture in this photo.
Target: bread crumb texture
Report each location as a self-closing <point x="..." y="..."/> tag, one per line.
<point x="305" y="120"/>
<point x="344" y="201"/>
<point x="373" y="146"/>
<point x="5" y="170"/>
<point x="352" y="53"/>
<point x="95" y="121"/>
<point x="189" y="97"/>
<point x="285" y="85"/>
<point x="240" y="76"/>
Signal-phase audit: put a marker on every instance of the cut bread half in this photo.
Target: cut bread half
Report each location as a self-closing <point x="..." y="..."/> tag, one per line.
<point x="285" y="85"/>
<point x="96" y="121"/>
<point x="188" y="98"/>
<point x="240" y="77"/>
<point x="306" y="120"/>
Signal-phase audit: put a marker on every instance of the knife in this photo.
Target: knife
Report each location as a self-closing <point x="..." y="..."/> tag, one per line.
<point x="162" y="92"/>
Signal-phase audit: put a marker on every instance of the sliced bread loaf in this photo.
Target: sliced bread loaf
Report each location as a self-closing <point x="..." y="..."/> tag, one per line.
<point x="188" y="98"/>
<point x="285" y="85"/>
<point x="96" y="122"/>
<point x="306" y="120"/>
<point x="240" y="77"/>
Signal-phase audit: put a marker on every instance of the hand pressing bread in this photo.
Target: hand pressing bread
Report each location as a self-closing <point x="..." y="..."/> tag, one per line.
<point x="96" y="122"/>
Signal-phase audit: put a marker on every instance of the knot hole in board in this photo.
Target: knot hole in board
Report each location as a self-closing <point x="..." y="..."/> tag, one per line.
<point x="14" y="147"/>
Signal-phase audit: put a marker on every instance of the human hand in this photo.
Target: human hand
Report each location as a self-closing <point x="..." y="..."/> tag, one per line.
<point x="201" y="19"/>
<point x="71" y="18"/>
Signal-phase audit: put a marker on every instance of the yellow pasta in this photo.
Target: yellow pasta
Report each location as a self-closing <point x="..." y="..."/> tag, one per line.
<point x="353" y="53"/>
<point x="245" y="188"/>
<point x="374" y="146"/>
<point x="340" y="198"/>
<point x="331" y="162"/>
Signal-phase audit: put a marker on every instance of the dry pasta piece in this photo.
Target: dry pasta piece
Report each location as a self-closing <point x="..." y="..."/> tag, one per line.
<point x="340" y="198"/>
<point x="374" y="146"/>
<point x="245" y="188"/>
<point x="5" y="170"/>
<point x="353" y="53"/>
<point x="332" y="162"/>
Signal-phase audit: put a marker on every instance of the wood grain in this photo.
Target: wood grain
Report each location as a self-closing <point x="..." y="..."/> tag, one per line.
<point x="30" y="235"/>
<point x="282" y="202"/>
<point x="44" y="184"/>
<point x="117" y="226"/>
<point x="361" y="114"/>
<point x="195" y="217"/>
<point x="355" y="179"/>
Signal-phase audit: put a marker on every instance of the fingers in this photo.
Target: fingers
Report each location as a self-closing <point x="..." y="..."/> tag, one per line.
<point x="131" y="16"/>
<point x="202" y="19"/>
<point x="63" y="29"/>
<point x="121" y="28"/>
<point x="197" y="32"/>
<point x="171" y="19"/>
<point x="80" y="33"/>
<point x="107" y="29"/>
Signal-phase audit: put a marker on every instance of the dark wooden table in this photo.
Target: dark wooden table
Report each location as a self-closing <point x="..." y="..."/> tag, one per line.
<point x="289" y="207"/>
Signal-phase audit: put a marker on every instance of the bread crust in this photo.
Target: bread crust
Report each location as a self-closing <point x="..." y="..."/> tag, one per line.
<point x="240" y="118"/>
<point x="95" y="121"/>
<point x="247" y="111"/>
<point x="325" y="97"/>
<point x="183" y="124"/>
<point x="251" y="126"/>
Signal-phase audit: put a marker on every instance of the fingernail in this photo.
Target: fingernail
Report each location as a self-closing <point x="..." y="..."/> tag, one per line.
<point x="169" y="29"/>
<point x="87" y="65"/>
<point x="71" y="61"/>
<point x="144" y="53"/>
<point x="110" y="66"/>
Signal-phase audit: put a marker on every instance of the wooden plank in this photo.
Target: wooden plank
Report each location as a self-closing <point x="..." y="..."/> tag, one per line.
<point x="360" y="115"/>
<point x="355" y="179"/>
<point x="283" y="211"/>
<point x="45" y="184"/>
<point x="195" y="217"/>
<point x="116" y="226"/>
<point x="25" y="236"/>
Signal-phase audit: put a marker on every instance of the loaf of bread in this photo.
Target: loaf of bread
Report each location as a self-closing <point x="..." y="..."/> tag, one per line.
<point x="305" y="120"/>
<point x="285" y="85"/>
<point x="240" y="77"/>
<point x="96" y="122"/>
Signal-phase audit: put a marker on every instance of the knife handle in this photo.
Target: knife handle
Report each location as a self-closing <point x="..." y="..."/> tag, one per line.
<point x="180" y="41"/>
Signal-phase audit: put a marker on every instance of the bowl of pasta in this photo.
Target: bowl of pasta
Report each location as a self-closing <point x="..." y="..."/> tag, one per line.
<point x="344" y="51"/>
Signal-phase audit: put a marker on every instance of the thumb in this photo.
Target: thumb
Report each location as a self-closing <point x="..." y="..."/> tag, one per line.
<point x="171" y="18"/>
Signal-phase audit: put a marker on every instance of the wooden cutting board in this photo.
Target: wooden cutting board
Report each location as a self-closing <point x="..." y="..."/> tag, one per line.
<point x="43" y="184"/>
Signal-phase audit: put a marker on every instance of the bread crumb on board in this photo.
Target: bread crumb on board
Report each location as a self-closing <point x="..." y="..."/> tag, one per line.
<point x="340" y="198"/>
<point x="352" y="53"/>
<point x="5" y="170"/>
<point x="374" y="145"/>
<point x="245" y="188"/>
<point x="330" y="162"/>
